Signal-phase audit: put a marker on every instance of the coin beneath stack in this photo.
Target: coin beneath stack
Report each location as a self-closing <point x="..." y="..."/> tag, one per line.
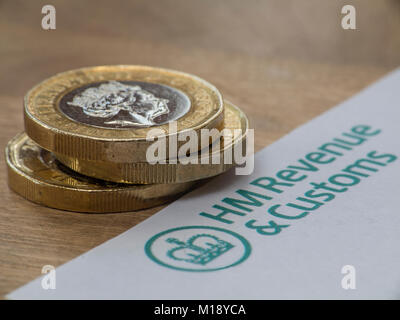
<point x="105" y="113"/>
<point x="35" y="174"/>
<point x="128" y="172"/>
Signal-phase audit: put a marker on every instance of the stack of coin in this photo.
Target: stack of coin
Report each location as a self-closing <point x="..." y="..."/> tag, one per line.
<point x="89" y="133"/>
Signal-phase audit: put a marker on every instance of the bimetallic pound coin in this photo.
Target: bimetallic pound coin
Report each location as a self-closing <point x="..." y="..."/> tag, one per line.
<point x="35" y="174"/>
<point x="105" y="113"/>
<point x="145" y="173"/>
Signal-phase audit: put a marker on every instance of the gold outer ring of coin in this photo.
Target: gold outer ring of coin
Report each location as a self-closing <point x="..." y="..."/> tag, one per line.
<point x="35" y="174"/>
<point x="56" y="132"/>
<point x="145" y="172"/>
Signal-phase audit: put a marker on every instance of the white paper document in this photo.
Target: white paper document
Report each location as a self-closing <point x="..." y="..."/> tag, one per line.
<point x="318" y="218"/>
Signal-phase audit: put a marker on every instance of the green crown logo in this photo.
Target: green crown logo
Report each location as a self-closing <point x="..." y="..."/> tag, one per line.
<point x="190" y="252"/>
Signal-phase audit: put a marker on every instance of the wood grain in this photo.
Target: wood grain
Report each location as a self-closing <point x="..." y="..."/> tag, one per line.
<point x="283" y="61"/>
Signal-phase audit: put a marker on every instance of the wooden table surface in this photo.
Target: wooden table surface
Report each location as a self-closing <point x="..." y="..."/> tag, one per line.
<point x="283" y="61"/>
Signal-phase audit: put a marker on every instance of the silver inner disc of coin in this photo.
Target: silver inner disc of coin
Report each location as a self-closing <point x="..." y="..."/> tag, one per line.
<point x="124" y="104"/>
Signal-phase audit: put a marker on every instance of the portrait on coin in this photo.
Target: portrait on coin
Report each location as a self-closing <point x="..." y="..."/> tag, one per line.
<point x="124" y="104"/>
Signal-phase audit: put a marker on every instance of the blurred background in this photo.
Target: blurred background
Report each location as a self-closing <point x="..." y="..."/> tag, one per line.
<point x="262" y="54"/>
<point x="282" y="61"/>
